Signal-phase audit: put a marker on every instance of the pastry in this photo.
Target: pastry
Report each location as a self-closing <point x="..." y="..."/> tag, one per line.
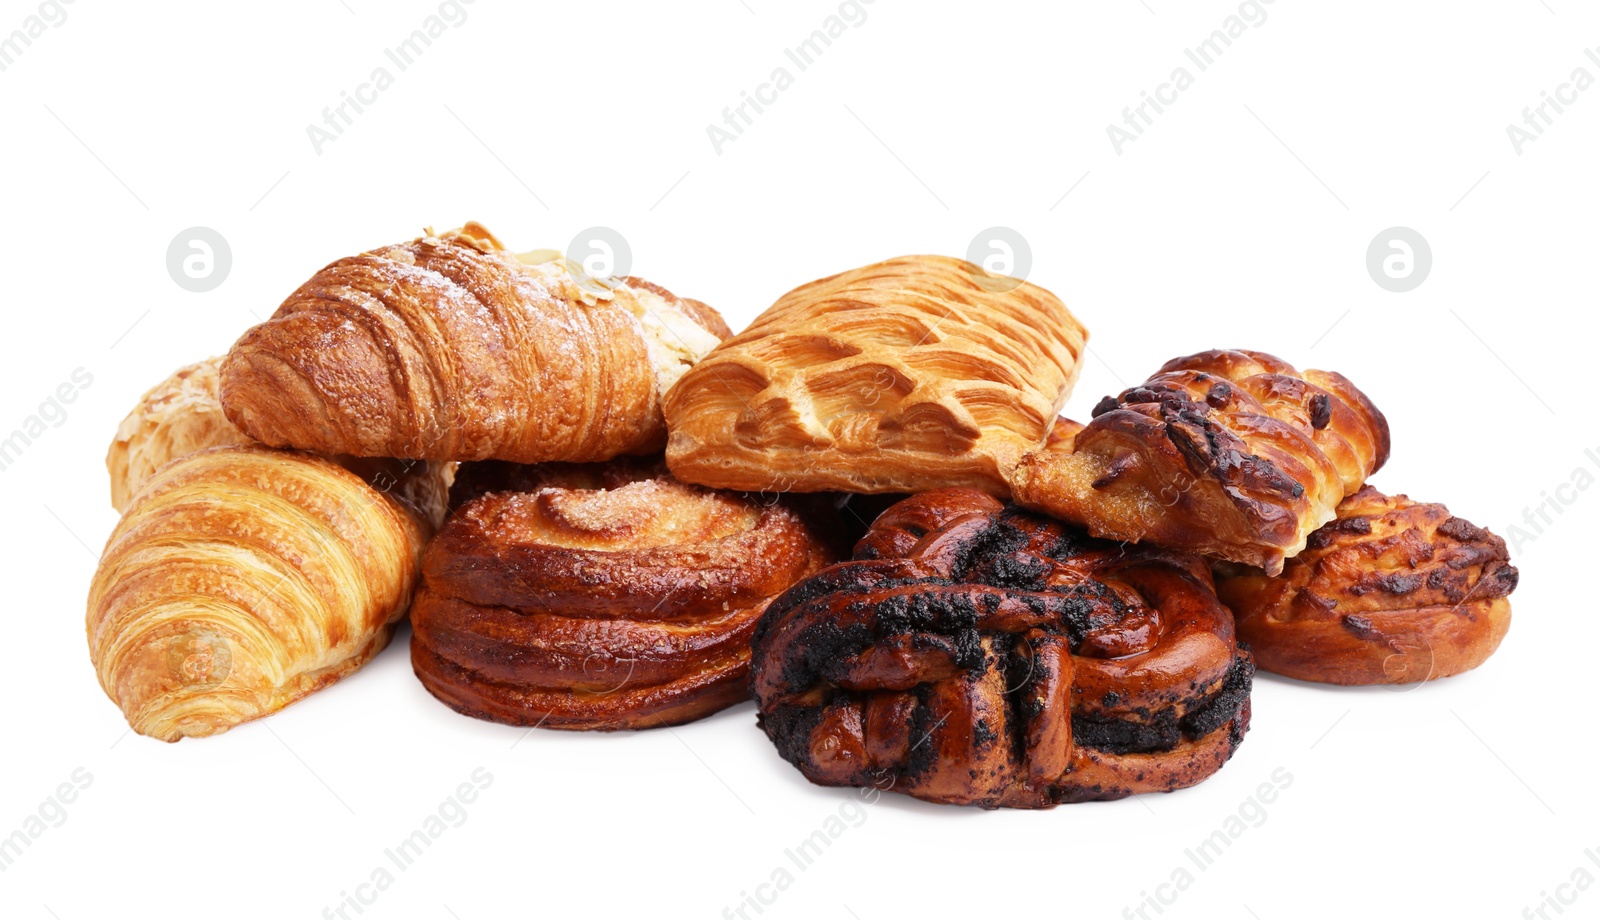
<point x="1391" y="591"/>
<point x="182" y="415"/>
<point x="898" y="377"/>
<point x="177" y="417"/>
<point x="451" y="348"/>
<point x="975" y="654"/>
<point x="600" y="596"/>
<point x="1233" y="454"/>
<point x="241" y="579"/>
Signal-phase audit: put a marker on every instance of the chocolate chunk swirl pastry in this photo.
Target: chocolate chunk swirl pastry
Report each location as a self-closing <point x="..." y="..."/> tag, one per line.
<point x="1233" y="454"/>
<point x="1391" y="591"/>
<point x="599" y="596"/>
<point x="974" y="654"/>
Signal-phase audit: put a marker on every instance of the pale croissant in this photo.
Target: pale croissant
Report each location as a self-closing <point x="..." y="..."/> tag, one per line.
<point x="241" y="579"/>
<point x="451" y="348"/>
<point x="182" y="415"/>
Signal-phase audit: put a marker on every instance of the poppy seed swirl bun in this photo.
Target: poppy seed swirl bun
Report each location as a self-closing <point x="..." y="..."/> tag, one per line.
<point x="975" y="654"/>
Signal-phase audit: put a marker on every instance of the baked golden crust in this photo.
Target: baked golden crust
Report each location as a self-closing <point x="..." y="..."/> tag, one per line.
<point x="182" y="415"/>
<point x="176" y="417"/>
<point x="451" y="348"/>
<point x="897" y="377"/>
<point x="974" y="654"/>
<point x="1233" y="454"/>
<point x="599" y="596"/>
<point x="241" y="579"/>
<point x="1391" y="591"/>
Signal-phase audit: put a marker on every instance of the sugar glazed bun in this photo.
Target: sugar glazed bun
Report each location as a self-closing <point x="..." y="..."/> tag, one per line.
<point x="600" y="596"/>
<point x="910" y="374"/>
<point x="1233" y="454"/>
<point x="975" y="654"/>
<point x="1391" y="591"/>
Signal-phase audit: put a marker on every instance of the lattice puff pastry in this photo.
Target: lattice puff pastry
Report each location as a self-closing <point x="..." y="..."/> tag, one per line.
<point x="1233" y="454"/>
<point x="902" y="376"/>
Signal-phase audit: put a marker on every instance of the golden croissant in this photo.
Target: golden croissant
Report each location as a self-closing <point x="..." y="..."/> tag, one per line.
<point x="451" y="348"/>
<point x="241" y="579"/>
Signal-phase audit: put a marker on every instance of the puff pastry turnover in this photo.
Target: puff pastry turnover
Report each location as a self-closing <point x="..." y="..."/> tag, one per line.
<point x="451" y="348"/>
<point x="901" y="376"/>
<point x="241" y="579"/>
<point x="1233" y="454"/>
<point x="1391" y="591"/>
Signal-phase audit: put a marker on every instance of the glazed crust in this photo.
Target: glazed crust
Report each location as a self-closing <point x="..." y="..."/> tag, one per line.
<point x="1233" y="454"/>
<point x="450" y="348"/>
<point x="241" y="579"/>
<point x="1391" y="591"/>
<point x="974" y="654"/>
<point x="901" y="376"/>
<point x="599" y="596"/>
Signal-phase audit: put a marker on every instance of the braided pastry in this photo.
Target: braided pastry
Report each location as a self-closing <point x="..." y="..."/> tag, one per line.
<point x="901" y="376"/>
<point x="450" y="348"/>
<point x="599" y="596"/>
<point x="974" y="654"/>
<point x="242" y="579"/>
<point x="1232" y="454"/>
<point x="1390" y="592"/>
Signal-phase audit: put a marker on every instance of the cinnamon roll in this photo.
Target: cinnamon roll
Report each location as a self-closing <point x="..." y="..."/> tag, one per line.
<point x="974" y="654"/>
<point x="599" y="596"/>
<point x="1391" y="591"/>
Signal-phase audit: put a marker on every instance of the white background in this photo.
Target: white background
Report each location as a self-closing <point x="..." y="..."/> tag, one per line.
<point x="1240" y="218"/>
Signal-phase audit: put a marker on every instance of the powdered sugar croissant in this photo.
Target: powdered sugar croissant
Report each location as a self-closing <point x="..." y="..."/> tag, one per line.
<point x="450" y="348"/>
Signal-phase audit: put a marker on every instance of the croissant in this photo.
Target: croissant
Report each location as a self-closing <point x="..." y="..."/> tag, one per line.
<point x="176" y="417"/>
<point x="906" y="375"/>
<point x="241" y="579"/>
<point x="182" y="415"/>
<point x="1391" y="591"/>
<point x="600" y="596"/>
<point x="450" y="348"/>
<point x="975" y="654"/>
<point x="1233" y="454"/>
